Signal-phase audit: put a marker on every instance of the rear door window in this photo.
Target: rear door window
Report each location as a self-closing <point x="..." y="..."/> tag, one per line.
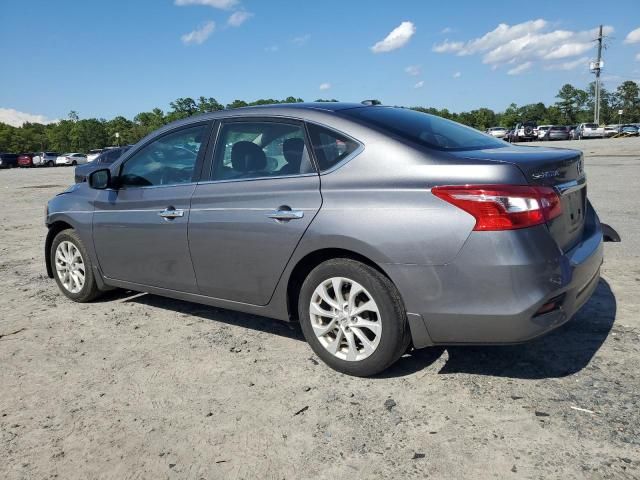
<point x="258" y="149"/>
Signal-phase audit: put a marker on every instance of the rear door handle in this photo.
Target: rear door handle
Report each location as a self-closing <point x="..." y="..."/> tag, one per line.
<point x="285" y="215"/>
<point x="171" y="213"/>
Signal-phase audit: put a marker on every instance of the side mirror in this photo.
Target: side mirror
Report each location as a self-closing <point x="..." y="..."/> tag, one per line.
<point x="100" y="179"/>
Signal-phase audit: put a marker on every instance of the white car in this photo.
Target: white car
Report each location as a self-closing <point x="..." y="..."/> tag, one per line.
<point x="45" y="159"/>
<point x="71" y="159"/>
<point x="542" y="131"/>
<point x="589" y="130"/>
<point x="611" y="130"/>
<point x="93" y="154"/>
<point x="498" y="132"/>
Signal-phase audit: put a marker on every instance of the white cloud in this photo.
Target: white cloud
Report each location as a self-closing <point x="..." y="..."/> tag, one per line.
<point x="271" y="48"/>
<point x="398" y="38"/>
<point x="301" y="40"/>
<point x="446" y="30"/>
<point x="413" y="70"/>
<point x="584" y="61"/>
<point x="16" y="118"/>
<point x="568" y="50"/>
<point x="420" y="84"/>
<point x="222" y="4"/>
<point x="528" y="42"/>
<point x="199" y="35"/>
<point x="633" y="36"/>
<point x="238" y="18"/>
<point x="638" y="57"/>
<point x="523" y="67"/>
<point x="457" y="75"/>
<point x="325" y="86"/>
<point x="448" y="47"/>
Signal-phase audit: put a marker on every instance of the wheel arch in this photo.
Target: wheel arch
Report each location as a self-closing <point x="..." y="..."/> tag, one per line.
<point x="310" y="261"/>
<point x="54" y="228"/>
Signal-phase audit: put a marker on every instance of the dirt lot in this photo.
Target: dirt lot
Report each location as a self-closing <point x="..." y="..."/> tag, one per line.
<point x="137" y="386"/>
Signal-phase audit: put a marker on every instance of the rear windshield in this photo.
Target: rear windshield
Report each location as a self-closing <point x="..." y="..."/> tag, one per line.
<point x="424" y="129"/>
<point x="559" y="129"/>
<point x="590" y="125"/>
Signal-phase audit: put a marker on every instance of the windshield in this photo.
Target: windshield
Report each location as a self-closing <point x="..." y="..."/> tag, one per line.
<point x="423" y="128"/>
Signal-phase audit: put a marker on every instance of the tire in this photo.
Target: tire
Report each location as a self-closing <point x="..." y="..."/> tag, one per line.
<point x="50" y="163"/>
<point x="387" y="342"/>
<point x="74" y="163"/>
<point x="89" y="288"/>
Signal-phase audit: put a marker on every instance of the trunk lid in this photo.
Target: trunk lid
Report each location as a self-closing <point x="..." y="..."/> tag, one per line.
<point x="562" y="169"/>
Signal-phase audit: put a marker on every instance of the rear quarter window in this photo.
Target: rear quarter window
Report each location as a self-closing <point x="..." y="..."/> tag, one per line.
<point x="329" y="146"/>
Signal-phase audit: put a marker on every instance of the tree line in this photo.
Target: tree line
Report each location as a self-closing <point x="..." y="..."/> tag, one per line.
<point x="573" y="106"/>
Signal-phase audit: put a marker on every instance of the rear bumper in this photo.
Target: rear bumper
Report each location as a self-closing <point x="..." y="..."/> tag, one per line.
<point x="491" y="292"/>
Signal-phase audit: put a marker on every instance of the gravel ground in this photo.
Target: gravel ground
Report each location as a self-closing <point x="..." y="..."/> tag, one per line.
<point x="138" y="386"/>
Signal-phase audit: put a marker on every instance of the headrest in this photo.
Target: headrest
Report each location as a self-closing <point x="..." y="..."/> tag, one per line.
<point x="292" y="149"/>
<point x="247" y="157"/>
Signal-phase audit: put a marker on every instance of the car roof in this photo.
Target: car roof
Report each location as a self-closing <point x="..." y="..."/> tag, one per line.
<point x="304" y="110"/>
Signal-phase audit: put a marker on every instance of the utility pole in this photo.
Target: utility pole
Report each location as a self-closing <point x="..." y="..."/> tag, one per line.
<point x="596" y="67"/>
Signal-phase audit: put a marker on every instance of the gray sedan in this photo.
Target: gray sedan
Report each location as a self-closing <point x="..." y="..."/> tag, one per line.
<point x="376" y="228"/>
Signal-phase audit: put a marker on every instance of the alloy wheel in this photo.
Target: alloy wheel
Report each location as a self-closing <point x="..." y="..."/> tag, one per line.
<point x="70" y="266"/>
<point x="345" y="319"/>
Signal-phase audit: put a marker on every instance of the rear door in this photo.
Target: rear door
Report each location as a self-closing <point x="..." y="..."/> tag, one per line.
<point x="246" y="220"/>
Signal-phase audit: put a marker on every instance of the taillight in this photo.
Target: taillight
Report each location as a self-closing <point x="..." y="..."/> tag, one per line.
<point x="503" y="207"/>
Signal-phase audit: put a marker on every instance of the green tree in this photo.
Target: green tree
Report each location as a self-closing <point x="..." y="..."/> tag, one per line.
<point x="210" y="104"/>
<point x="237" y="104"/>
<point x="627" y="98"/>
<point x="182" y="108"/>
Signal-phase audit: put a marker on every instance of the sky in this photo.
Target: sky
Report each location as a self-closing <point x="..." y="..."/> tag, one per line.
<point x="122" y="57"/>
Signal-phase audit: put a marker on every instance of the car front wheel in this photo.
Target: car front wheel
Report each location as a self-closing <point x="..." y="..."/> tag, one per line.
<point x="72" y="269"/>
<point x="353" y="318"/>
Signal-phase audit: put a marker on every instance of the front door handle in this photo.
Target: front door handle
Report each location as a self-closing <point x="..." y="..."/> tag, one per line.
<point x="171" y="213"/>
<point x="285" y="215"/>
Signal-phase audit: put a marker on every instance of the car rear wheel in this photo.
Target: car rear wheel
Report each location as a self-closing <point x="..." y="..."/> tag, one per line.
<point x="353" y="318"/>
<point x="72" y="268"/>
<point x="74" y="163"/>
<point x="50" y="163"/>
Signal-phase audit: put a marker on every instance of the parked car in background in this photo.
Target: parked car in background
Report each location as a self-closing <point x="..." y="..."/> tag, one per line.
<point x="45" y="159"/>
<point x="291" y="212"/>
<point x="589" y="130"/>
<point x="498" y="132"/>
<point x="628" y="130"/>
<point x="71" y="159"/>
<point x="106" y="158"/>
<point x="557" y="132"/>
<point x="8" y="160"/>
<point x="542" y="131"/>
<point x="611" y="130"/>
<point x="93" y="154"/>
<point x="525" y="132"/>
<point x="25" y="160"/>
<point x="572" y="129"/>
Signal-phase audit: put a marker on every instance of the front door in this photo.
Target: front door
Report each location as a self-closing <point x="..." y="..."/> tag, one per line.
<point x="140" y="228"/>
<point x="246" y="221"/>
